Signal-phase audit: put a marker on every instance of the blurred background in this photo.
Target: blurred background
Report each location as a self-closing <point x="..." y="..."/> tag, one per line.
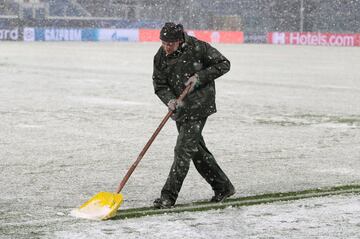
<point x="255" y="16"/>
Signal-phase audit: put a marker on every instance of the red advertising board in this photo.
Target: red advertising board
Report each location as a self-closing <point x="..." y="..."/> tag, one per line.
<point x="314" y="38"/>
<point x="150" y="35"/>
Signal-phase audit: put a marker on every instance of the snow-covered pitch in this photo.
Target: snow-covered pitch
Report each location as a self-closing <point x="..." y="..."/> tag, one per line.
<point x="74" y="117"/>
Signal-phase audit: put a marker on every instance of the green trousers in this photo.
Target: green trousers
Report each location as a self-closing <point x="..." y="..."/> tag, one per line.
<point x="190" y="146"/>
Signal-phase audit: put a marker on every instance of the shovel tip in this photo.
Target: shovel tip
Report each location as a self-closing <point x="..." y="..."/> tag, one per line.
<point x="92" y="214"/>
<point x="102" y="206"/>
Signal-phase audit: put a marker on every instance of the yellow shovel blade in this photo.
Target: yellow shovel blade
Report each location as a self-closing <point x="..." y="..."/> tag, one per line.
<point x="102" y="206"/>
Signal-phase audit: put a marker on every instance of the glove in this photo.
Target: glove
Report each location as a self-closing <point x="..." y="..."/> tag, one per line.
<point x="174" y="104"/>
<point x="194" y="81"/>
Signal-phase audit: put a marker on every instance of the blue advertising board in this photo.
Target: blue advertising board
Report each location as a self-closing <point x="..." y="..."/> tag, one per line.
<point x="60" y="34"/>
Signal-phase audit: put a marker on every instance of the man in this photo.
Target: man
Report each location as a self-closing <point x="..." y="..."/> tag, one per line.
<point x="181" y="61"/>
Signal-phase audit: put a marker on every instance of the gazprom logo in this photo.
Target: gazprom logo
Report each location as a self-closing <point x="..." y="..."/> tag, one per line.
<point x="118" y="37"/>
<point x="278" y="38"/>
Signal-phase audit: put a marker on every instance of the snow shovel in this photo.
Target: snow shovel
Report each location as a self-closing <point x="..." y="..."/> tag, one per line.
<point x="104" y="205"/>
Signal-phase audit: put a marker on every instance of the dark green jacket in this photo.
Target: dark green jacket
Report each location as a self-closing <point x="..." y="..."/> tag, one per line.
<point x="172" y="71"/>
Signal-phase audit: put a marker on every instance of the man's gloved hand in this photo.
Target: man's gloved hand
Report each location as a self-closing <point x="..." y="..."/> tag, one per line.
<point x="174" y="104"/>
<point x="194" y="81"/>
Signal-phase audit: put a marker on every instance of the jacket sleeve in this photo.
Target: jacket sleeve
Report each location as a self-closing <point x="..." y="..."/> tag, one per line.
<point x="215" y="65"/>
<point x="161" y="86"/>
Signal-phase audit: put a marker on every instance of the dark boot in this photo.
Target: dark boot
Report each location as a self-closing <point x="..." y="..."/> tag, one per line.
<point x="220" y="196"/>
<point x="161" y="203"/>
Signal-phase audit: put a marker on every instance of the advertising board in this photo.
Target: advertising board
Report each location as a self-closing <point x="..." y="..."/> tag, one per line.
<point x="9" y="34"/>
<point x="314" y="38"/>
<point x="131" y="35"/>
<point x="151" y="35"/>
<point x="60" y="34"/>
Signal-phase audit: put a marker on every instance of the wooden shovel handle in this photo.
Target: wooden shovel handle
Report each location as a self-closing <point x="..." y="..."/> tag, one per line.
<point x="147" y="146"/>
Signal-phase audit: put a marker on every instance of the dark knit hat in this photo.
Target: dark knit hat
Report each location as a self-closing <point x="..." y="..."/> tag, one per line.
<point x="172" y="32"/>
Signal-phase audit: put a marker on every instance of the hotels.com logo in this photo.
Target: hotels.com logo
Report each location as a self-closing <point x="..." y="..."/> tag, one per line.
<point x="314" y="38"/>
<point x="322" y="39"/>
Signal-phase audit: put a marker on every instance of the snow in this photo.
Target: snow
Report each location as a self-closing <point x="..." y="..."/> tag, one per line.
<point x="94" y="211"/>
<point x="332" y="217"/>
<point x="74" y="117"/>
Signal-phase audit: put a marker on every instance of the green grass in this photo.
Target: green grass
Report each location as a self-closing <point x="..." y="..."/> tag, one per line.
<point x="238" y="202"/>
